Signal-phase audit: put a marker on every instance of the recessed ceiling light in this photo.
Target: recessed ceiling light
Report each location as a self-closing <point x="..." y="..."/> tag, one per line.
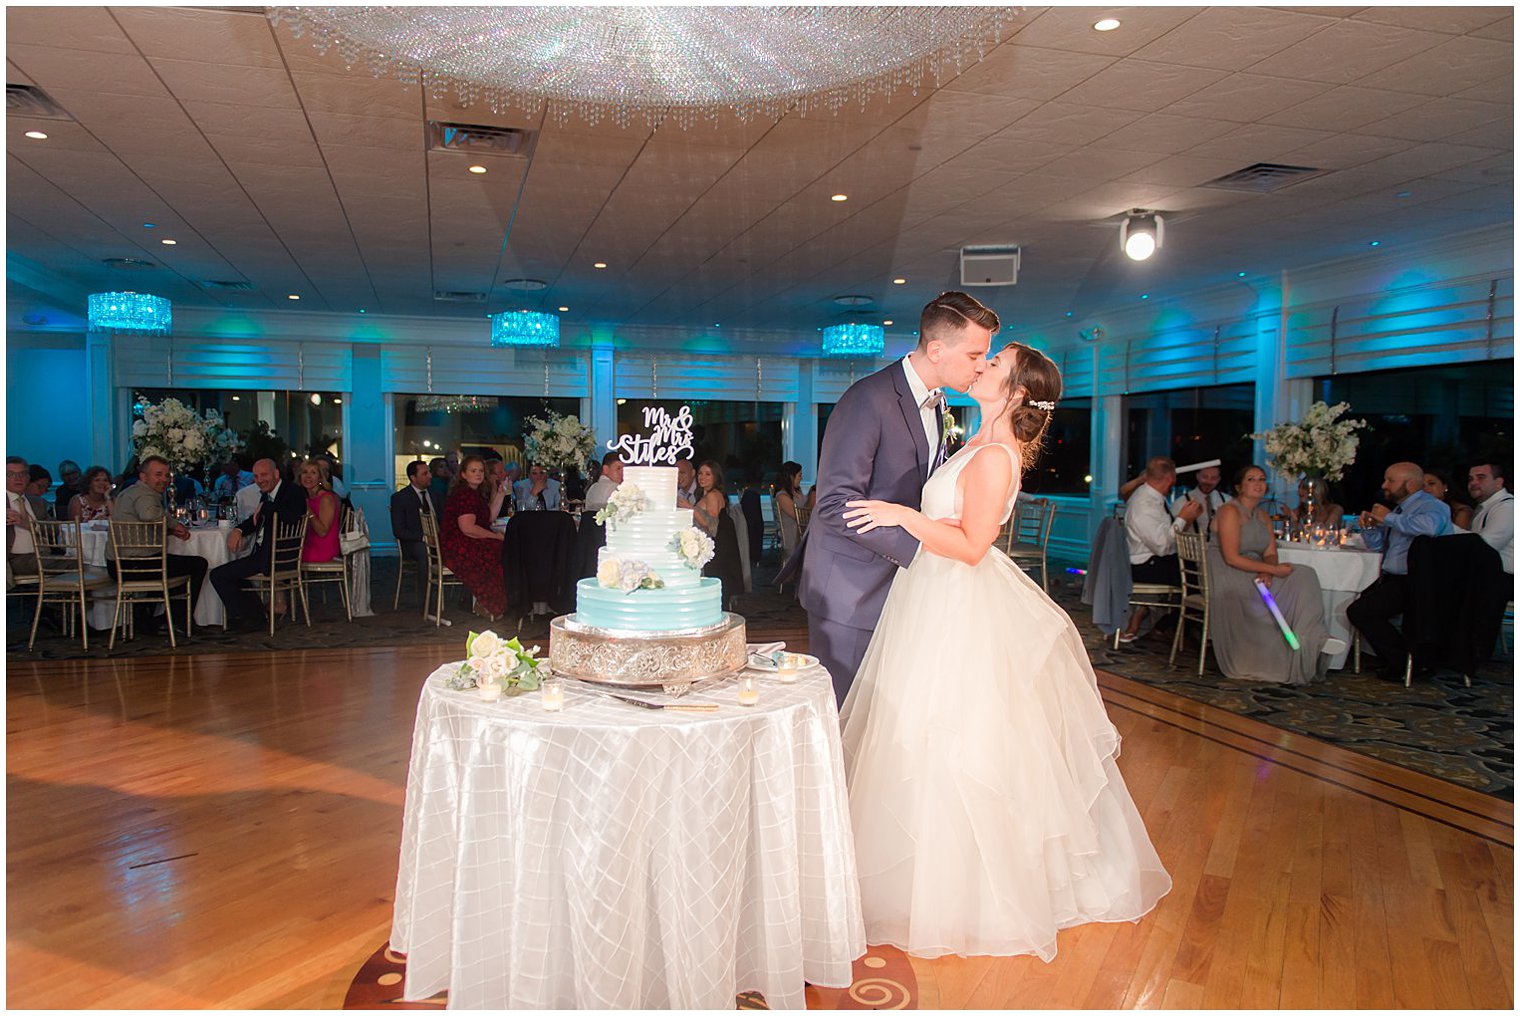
<point x="168" y="243"/>
<point x="1145" y="296"/>
<point x="36" y="135"/>
<point x="600" y="264"/>
<point x="1068" y="313"/>
<point x="1376" y="243"/>
<point x="839" y="197"/>
<point x="1240" y="275"/>
<point x="1106" y="25"/>
<point x="293" y="296"/>
<point x="1403" y="194"/>
<point x="563" y="309"/>
<point x="237" y="398"/>
<point x="887" y="321"/>
<point x="361" y="310"/>
<point x="899" y="282"/>
<point x="337" y="402"/>
<point x="150" y="225"/>
<point x="477" y="169"/>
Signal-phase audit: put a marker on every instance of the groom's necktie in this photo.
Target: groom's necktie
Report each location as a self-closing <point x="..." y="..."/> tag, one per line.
<point x="936" y="399"/>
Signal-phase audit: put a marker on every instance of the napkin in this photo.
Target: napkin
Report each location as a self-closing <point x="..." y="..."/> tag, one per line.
<point x="767" y="655"/>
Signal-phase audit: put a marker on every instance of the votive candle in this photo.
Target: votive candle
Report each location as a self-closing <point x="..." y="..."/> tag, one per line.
<point x="748" y="694"/>
<point x="552" y="695"/>
<point x="787" y="669"/>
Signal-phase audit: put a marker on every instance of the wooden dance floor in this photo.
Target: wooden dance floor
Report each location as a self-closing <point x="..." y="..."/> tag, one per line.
<point x="222" y="831"/>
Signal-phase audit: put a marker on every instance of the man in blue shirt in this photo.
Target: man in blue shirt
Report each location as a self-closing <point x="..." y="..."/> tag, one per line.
<point x="1415" y="513"/>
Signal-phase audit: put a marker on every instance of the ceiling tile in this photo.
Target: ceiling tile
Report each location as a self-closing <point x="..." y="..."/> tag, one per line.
<point x="86" y="71"/>
<point x="1346" y="51"/>
<point x="211" y="82"/>
<point x="1161" y="132"/>
<point x="1439" y="119"/>
<point x="1344" y="108"/>
<point x="1069" y="124"/>
<point x="92" y="29"/>
<point x="1030" y="72"/>
<point x="232" y="38"/>
<point x="1258" y="143"/>
<point x="1232" y="39"/>
<point x="1452" y="20"/>
<point x="1448" y="68"/>
<point x="1139" y="85"/>
<point x="1246" y="97"/>
<point x="1070" y="28"/>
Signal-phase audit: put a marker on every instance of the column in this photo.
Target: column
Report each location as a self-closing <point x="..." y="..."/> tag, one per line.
<point x="800" y="431"/>
<point x="603" y="410"/>
<point x="109" y="441"/>
<point x="367" y="437"/>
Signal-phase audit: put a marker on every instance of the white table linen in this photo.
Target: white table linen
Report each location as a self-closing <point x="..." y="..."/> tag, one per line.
<point x="210" y="543"/>
<point x="1343" y="573"/>
<point x="610" y="857"/>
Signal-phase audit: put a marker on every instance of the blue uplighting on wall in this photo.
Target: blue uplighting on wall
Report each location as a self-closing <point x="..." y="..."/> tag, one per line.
<point x="854" y="340"/>
<point x="130" y="313"/>
<point x="525" y="328"/>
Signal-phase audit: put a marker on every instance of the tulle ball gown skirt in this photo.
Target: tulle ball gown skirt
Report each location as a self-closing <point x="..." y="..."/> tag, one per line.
<point x="987" y="807"/>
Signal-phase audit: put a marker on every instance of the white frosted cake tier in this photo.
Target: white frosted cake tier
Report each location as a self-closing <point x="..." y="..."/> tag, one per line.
<point x="669" y="567"/>
<point x="658" y="482"/>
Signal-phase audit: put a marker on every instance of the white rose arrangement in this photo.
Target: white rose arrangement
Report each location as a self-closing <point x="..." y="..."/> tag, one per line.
<point x="626" y="575"/>
<point x="1321" y="444"/>
<point x="495" y="665"/>
<point x="693" y="546"/>
<point x="626" y="502"/>
<point x="559" y="441"/>
<point x="173" y="431"/>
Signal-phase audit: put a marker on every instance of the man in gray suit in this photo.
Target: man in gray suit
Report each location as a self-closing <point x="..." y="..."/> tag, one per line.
<point x="143" y="501"/>
<point x="884" y="437"/>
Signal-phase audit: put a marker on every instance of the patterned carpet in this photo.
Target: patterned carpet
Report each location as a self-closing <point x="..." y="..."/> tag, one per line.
<point x="1438" y="727"/>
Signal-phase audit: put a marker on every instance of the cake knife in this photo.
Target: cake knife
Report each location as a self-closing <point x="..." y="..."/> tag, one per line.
<point x="680" y="707"/>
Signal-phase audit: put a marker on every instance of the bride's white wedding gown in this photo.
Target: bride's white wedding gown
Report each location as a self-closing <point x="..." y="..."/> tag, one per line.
<point x="987" y="808"/>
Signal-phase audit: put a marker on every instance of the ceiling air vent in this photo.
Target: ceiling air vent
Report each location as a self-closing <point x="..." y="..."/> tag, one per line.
<point x="1263" y="177"/>
<point x="480" y="139"/>
<point x="31" y="101"/>
<point x="453" y="296"/>
<point x="128" y="264"/>
<point x="229" y="285"/>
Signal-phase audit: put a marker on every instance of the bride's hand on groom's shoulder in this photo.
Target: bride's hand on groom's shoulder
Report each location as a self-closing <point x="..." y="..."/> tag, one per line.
<point x="864" y="516"/>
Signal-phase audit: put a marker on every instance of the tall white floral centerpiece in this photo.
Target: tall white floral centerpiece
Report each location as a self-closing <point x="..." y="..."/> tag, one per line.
<point x="557" y="441"/>
<point x="176" y="433"/>
<point x="1321" y="445"/>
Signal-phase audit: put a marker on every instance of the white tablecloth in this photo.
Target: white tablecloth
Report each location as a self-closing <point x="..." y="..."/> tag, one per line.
<point x="1343" y="573"/>
<point x="610" y="857"/>
<point x="210" y="544"/>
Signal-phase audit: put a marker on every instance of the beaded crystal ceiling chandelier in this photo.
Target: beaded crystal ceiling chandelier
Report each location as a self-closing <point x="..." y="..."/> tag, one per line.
<point x="680" y="63"/>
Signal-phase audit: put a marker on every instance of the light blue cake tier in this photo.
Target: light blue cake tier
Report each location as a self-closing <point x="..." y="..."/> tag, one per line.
<point x="695" y="606"/>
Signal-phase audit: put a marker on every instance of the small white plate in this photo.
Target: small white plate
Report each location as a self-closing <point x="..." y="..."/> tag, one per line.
<point x="802" y="660"/>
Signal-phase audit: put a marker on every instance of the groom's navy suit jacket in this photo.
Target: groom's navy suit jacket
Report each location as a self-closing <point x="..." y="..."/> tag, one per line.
<point x="874" y="448"/>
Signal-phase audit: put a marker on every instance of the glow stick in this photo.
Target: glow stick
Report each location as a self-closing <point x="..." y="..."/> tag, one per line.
<point x="1266" y="595"/>
<point x="1197" y="466"/>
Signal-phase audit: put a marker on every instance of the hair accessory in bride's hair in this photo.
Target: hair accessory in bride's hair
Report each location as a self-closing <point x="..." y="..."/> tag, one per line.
<point x="1049" y="407"/>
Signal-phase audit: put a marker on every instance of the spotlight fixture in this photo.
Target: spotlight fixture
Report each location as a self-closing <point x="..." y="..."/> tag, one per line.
<point x="563" y="309"/>
<point x="899" y="282"/>
<point x="600" y="264"/>
<point x="839" y="197"/>
<point x="293" y="296"/>
<point x="1141" y="235"/>
<point x="477" y="169"/>
<point x="1106" y="25"/>
<point x="1376" y="243"/>
<point x="888" y="321"/>
<point x="168" y="243"/>
<point x="36" y="135"/>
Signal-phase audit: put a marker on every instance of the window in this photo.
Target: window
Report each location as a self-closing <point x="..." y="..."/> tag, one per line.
<point x="1190" y="425"/>
<point x="1444" y="418"/>
<point x="1062" y="467"/>
<point x="824" y="409"/>
<point x="431" y="426"/>
<point x="283" y="426"/>
<point x="742" y="437"/>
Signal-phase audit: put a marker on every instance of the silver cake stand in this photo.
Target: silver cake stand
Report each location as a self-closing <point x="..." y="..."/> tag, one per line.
<point x="670" y="660"/>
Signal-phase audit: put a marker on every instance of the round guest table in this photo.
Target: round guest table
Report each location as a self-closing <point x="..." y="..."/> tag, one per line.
<point x="1343" y="573"/>
<point x="613" y="857"/>
<point x="209" y="542"/>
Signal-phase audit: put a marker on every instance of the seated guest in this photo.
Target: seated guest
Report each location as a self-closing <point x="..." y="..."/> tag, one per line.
<point x="1247" y="641"/>
<point x="1438" y="487"/>
<point x="1326" y="512"/>
<point x="1494" y="518"/>
<point x="1415" y="513"/>
<point x="20" y="553"/>
<point x="38" y="482"/>
<point x="408" y="505"/>
<point x="280" y="501"/>
<point x="471" y="550"/>
<point x="711" y="513"/>
<point x="686" y="484"/>
<point x="143" y="501"/>
<point x="439" y="484"/>
<point x="1207" y="493"/>
<point x="496" y="476"/>
<point x="70" y="483"/>
<point x="1152" y="528"/>
<point x="246" y="501"/>
<point x="331" y="482"/>
<point x="232" y="479"/>
<point x="323" y="513"/>
<point x="599" y="492"/>
<point x="94" y="500"/>
<point x="784" y="505"/>
<point x="538" y="492"/>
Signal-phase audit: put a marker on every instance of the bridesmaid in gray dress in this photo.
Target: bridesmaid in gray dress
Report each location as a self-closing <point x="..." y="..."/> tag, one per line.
<point x="1247" y="641"/>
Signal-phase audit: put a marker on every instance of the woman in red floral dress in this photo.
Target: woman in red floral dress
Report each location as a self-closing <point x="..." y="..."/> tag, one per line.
<point x="471" y="549"/>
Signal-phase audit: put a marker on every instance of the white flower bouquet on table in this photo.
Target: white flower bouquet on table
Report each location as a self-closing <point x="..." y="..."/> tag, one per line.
<point x="693" y="546"/>
<point x="559" y="441"/>
<point x="626" y="502"/>
<point x="1321" y="444"/>
<point x="173" y="431"/>
<point x="495" y="665"/>
<point x="626" y="575"/>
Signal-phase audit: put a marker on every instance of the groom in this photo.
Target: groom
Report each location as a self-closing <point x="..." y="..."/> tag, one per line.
<point x="884" y="437"/>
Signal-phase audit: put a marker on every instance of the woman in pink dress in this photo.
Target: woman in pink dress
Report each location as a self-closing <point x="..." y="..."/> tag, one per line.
<point x="321" y="516"/>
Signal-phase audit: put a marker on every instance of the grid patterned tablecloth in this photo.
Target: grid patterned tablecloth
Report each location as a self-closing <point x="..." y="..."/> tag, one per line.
<point x="1343" y="573"/>
<point x="609" y="857"/>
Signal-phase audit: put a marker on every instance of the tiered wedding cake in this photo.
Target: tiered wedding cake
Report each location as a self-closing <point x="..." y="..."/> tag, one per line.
<point x="649" y="616"/>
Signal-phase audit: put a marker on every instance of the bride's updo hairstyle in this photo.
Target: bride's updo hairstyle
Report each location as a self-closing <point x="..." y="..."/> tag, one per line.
<point x="1041" y="380"/>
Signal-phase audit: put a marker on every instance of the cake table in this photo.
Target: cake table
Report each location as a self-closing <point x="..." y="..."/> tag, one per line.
<point x="613" y="857"/>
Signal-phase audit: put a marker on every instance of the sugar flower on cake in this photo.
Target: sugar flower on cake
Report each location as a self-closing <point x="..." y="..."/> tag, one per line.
<point x="693" y="546"/>
<point x="495" y="665"/>
<point x="626" y="502"/>
<point x="626" y="575"/>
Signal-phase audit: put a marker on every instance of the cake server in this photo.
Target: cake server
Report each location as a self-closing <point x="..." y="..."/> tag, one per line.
<point x="680" y="707"/>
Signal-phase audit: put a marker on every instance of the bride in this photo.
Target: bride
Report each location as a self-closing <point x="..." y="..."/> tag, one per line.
<point x="987" y="808"/>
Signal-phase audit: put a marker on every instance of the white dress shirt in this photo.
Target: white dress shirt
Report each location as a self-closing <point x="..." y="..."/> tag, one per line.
<point x="247" y="500"/>
<point x="1494" y="520"/>
<point x="921" y="393"/>
<point x="1212" y="501"/>
<point x="1150" y="526"/>
<point x="599" y="493"/>
<point x="19" y="504"/>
